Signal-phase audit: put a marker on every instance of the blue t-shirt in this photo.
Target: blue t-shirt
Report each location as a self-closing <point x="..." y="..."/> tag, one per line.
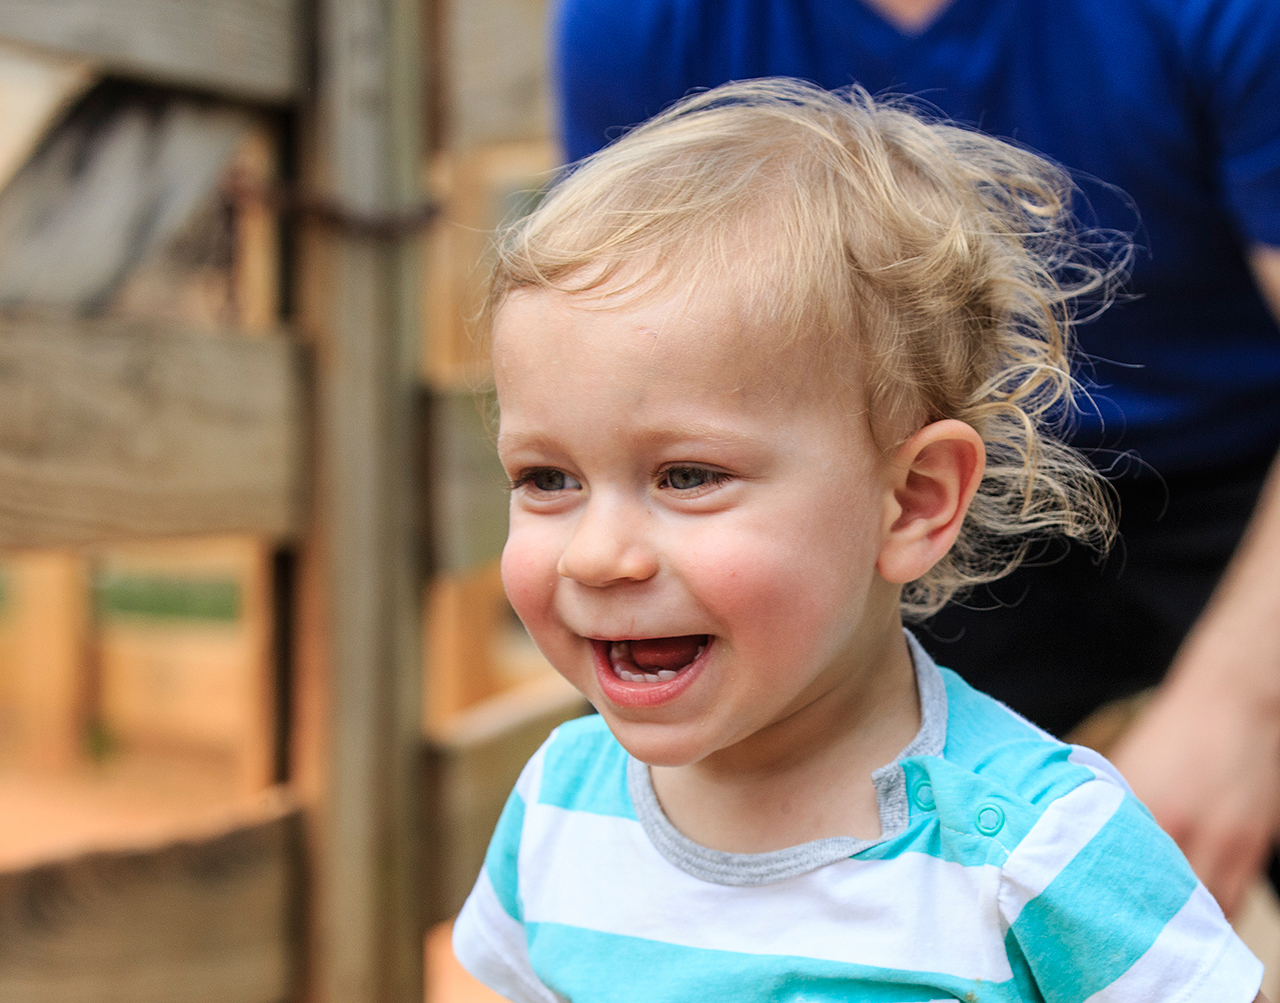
<point x="1011" y="868"/>
<point x="1174" y="104"/>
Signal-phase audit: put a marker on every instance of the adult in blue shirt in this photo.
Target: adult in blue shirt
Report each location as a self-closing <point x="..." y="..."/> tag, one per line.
<point x="1168" y="111"/>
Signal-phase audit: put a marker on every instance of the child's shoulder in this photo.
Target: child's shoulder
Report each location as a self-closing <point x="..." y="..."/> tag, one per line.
<point x="992" y="741"/>
<point x="999" y="776"/>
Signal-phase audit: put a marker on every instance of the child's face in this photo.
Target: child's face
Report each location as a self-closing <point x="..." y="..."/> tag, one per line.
<point x="694" y="531"/>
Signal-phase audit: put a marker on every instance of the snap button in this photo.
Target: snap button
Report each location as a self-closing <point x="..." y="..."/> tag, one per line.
<point x="922" y="795"/>
<point x="990" y="819"/>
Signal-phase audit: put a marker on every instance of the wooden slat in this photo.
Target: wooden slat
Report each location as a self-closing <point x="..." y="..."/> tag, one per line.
<point x="248" y="48"/>
<point x="115" y="432"/>
<point x="209" y="920"/>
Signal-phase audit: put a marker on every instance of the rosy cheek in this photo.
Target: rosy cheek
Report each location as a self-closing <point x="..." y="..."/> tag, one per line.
<point x="772" y="587"/>
<point x="525" y="577"/>
<point x="741" y="578"/>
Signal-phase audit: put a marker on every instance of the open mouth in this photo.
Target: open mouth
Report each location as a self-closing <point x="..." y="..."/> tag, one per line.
<point x="655" y="659"/>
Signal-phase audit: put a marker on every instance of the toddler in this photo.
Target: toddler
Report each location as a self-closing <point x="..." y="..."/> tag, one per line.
<point x="775" y="371"/>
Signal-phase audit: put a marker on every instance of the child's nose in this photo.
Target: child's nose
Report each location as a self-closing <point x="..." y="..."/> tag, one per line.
<point x="609" y="544"/>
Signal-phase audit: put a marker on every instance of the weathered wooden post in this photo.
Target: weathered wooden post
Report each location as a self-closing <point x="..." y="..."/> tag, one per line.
<point x="368" y="944"/>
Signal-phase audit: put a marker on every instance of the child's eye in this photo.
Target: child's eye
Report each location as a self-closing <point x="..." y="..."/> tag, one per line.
<point x="691" y="478"/>
<point x="546" y="479"/>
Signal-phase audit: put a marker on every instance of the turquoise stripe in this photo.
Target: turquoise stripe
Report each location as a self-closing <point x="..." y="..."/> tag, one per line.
<point x="986" y="738"/>
<point x="1023" y="977"/>
<point x="501" y="860"/>
<point x="925" y="835"/>
<point x="591" y="967"/>
<point x="1105" y="908"/>
<point x="963" y="801"/>
<point x="586" y="770"/>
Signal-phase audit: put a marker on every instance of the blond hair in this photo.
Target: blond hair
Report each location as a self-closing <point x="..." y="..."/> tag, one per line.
<point x="944" y="264"/>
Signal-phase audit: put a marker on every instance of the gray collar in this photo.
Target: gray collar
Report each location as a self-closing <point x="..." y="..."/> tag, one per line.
<point x="719" y="867"/>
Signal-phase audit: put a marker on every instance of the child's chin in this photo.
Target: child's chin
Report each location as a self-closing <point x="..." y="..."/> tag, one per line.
<point x="655" y="744"/>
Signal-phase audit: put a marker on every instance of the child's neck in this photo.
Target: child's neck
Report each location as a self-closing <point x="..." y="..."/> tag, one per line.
<point x="809" y="776"/>
<point x="910" y="16"/>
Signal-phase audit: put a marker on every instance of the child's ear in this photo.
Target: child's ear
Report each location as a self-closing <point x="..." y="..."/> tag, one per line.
<point x="933" y="477"/>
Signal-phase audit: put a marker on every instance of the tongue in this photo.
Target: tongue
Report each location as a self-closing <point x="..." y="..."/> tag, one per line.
<point x="657" y="653"/>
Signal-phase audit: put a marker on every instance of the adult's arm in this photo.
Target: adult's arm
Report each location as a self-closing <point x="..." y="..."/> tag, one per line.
<point x="1205" y="757"/>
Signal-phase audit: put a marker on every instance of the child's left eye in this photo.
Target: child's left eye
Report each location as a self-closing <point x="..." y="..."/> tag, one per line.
<point x="691" y="478"/>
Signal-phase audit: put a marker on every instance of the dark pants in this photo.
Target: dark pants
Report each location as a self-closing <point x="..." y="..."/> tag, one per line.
<point x="1057" y="640"/>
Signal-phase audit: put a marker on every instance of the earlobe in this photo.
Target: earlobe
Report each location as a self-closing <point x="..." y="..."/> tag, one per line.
<point x="933" y="478"/>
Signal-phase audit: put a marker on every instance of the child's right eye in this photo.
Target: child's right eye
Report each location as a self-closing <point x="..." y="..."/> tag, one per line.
<point x="546" y="479"/>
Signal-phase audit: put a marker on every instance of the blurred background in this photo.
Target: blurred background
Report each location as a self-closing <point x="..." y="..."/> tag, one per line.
<point x="261" y="696"/>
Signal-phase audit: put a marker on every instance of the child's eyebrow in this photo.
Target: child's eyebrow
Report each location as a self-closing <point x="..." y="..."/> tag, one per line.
<point x="674" y="433"/>
<point x="697" y="432"/>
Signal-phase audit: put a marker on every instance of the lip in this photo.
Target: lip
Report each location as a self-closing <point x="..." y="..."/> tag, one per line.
<point x="622" y="693"/>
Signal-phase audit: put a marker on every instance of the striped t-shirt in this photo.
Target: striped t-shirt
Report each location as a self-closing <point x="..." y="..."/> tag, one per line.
<point x="1010" y="867"/>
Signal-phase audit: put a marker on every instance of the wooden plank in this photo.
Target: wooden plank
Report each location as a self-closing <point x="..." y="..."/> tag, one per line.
<point x="464" y="614"/>
<point x="495" y="67"/>
<point x="248" y="48"/>
<point x="114" y="432"/>
<point x="205" y="920"/>
<point x="218" y="270"/>
<point x="34" y="89"/>
<point x="128" y="173"/>
<point x="464" y="487"/>
<point x="478" y="190"/>
<point x="43" y="647"/>
<point x="184" y="651"/>
<point x="367" y="156"/>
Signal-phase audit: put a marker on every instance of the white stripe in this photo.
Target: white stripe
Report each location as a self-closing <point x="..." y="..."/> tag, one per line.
<point x="1059" y="834"/>
<point x="1196" y="959"/>
<point x="913" y="912"/>
<point x="530" y="783"/>
<point x="1098" y="765"/>
<point x="492" y="947"/>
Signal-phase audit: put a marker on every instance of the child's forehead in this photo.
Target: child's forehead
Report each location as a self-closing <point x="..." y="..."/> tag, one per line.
<point x="698" y="334"/>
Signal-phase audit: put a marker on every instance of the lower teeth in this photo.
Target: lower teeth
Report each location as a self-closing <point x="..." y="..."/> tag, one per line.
<point x="645" y="677"/>
<point x="620" y="651"/>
